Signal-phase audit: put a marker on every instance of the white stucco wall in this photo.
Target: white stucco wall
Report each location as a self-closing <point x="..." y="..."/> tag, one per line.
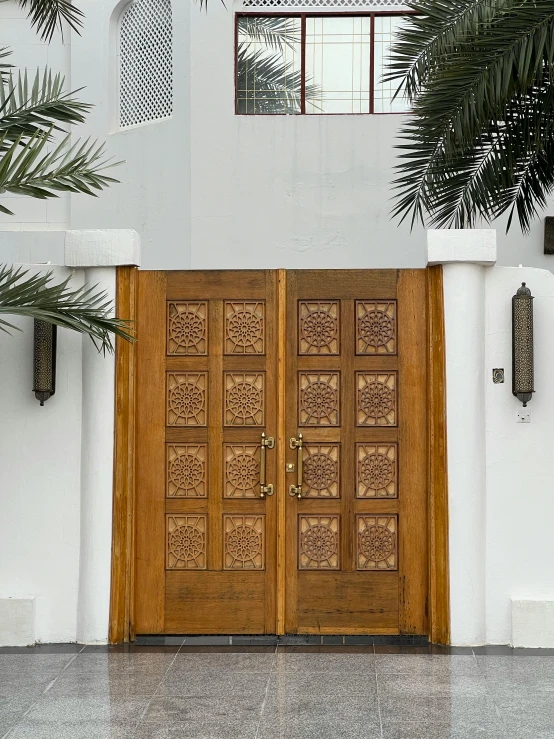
<point x="31" y="53"/>
<point x="500" y="472"/>
<point x="208" y="189"/>
<point x="40" y="480"/>
<point x="520" y="463"/>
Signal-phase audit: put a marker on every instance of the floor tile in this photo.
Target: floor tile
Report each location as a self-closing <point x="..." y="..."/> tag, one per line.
<point x="322" y="684"/>
<point x="35" y="662"/>
<point x="421" y="730"/>
<point x="438" y="709"/>
<point x="226" y="662"/>
<point x="430" y="664"/>
<point x="181" y="710"/>
<point x="348" y="710"/>
<point x="97" y="708"/>
<point x="74" y="730"/>
<point x="13" y="707"/>
<point x="44" y="649"/>
<point x="325" y="649"/>
<point x="496" y="667"/>
<point x="399" y="685"/>
<point x="183" y="683"/>
<point x="81" y="684"/>
<point x="208" y="727"/>
<point x="312" y="729"/>
<point x="325" y="662"/>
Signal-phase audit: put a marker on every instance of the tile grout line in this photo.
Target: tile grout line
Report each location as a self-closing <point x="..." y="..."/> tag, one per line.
<point x="46" y="689"/>
<point x="149" y="702"/>
<point x="496" y="708"/>
<point x="265" y="693"/>
<point x="377" y="687"/>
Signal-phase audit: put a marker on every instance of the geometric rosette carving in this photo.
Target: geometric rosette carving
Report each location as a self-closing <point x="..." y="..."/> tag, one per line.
<point x="187" y="328"/>
<point x="244" y="327"/>
<point x="377" y="542"/>
<point x="376" y="327"/>
<point x="321" y="471"/>
<point x="186" y="398"/>
<point x="318" y="330"/>
<point x="244" y="399"/>
<point x="186" y="542"/>
<point x="319" y="542"/>
<point x="376" y="471"/>
<point x="186" y="471"/>
<point x="242" y="470"/>
<point x="243" y="546"/>
<point x="319" y="398"/>
<point x="376" y="399"/>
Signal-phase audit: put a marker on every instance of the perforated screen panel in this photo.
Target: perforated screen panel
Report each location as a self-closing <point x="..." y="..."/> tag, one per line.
<point x="145" y="62"/>
<point x="322" y="4"/>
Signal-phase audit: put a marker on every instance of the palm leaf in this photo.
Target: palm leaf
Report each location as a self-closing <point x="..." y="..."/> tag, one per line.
<point x="273" y="31"/>
<point x="30" y="170"/>
<point x="479" y="73"/>
<point x="38" y="106"/>
<point x="47" y="15"/>
<point x="85" y="310"/>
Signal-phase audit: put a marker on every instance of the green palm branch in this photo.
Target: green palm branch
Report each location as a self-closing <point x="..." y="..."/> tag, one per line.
<point x="480" y="140"/>
<point x="274" y="80"/>
<point x="27" y="107"/>
<point x="85" y="310"/>
<point x="47" y="15"/>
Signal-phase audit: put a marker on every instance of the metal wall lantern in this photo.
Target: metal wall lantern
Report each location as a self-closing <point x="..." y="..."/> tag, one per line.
<point x="44" y="360"/>
<point x="522" y="345"/>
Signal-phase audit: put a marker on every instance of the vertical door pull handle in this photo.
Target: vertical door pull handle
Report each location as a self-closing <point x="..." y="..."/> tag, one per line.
<point x="268" y="442"/>
<point x="297" y="489"/>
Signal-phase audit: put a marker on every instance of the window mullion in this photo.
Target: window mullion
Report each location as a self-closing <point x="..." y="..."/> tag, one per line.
<point x="372" y="64"/>
<point x="303" y="64"/>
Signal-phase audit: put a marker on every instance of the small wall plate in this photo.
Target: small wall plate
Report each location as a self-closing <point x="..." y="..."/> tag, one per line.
<point x="498" y="375"/>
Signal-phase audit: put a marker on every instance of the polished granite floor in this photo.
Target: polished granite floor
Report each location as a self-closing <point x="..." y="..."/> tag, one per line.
<point x="275" y="692"/>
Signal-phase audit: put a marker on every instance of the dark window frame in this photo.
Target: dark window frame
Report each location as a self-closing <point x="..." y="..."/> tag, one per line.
<point x="338" y="14"/>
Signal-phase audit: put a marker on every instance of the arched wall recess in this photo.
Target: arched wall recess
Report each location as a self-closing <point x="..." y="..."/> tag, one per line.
<point x="145" y="62"/>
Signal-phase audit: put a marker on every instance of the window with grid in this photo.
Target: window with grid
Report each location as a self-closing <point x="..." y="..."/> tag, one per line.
<point x="310" y="64"/>
<point x="145" y="62"/>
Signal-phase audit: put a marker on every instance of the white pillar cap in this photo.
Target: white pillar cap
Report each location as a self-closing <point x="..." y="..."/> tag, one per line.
<point x="473" y="246"/>
<point x="111" y="247"/>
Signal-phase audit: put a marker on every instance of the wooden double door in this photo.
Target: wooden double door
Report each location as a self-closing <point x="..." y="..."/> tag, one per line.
<point x="281" y="452"/>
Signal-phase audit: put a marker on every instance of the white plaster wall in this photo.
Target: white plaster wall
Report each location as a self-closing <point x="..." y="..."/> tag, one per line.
<point x="520" y="462"/>
<point x="40" y="458"/>
<point x="208" y="189"/>
<point x="31" y="53"/>
<point x="464" y="308"/>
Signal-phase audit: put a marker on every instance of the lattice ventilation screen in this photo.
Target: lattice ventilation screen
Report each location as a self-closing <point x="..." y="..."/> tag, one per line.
<point x="145" y="62"/>
<point x="325" y="4"/>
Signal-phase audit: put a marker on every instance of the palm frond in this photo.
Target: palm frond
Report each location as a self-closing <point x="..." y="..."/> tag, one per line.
<point x="482" y="121"/>
<point x="29" y="107"/>
<point x="30" y="170"/>
<point x="272" y="86"/>
<point x="47" y="15"/>
<point x="85" y="310"/>
<point x="4" y="54"/>
<point x="273" y="31"/>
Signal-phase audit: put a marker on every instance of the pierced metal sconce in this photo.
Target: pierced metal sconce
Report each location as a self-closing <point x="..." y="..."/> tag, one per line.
<point x="44" y="360"/>
<point x="522" y="345"/>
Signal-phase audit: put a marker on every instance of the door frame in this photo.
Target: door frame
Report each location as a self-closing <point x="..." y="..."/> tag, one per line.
<point x="121" y="618"/>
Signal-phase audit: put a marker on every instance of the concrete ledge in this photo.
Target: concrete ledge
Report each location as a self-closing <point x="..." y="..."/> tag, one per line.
<point x="532" y="623"/>
<point x="17" y="622"/>
<point x="473" y="246"/>
<point x="102" y="248"/>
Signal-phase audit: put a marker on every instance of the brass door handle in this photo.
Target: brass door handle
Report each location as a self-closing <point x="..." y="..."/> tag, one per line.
<point x="297" y="489"/>
<point x="268" y="442"/>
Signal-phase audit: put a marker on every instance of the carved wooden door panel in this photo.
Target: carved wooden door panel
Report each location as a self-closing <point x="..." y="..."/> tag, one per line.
<point x="356" y="514"/>
<point x="206" y="379"/>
